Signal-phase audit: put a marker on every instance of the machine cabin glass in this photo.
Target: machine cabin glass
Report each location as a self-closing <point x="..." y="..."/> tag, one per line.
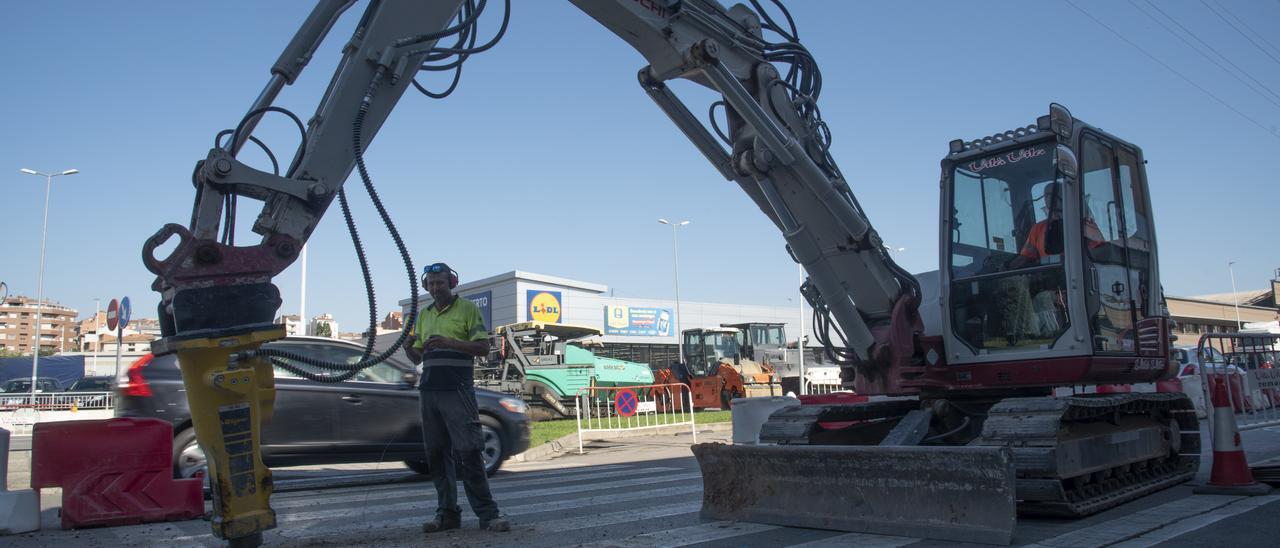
<point x="703" y="350"/>
<point x="1008" y="283"/>
<point x="1119" y="243"/>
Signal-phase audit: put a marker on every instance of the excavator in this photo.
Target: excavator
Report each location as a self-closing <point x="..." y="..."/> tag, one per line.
<point x="1049" y="277"/>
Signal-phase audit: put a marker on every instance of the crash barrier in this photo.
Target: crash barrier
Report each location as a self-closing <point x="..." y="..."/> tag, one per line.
<point x="749" y="414"/>
<point x="1248" y="367"/>
<point x="621" y="408"/>
<point x="19" y="510"/>
<point x="113" y="472"/>
<point x="1231" y="474"/>
<point x="59" y="401"/>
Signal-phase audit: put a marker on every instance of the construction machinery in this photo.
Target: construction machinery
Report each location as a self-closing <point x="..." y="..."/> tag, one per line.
<point x="766" y="343"/>
<point x="1049" y="277"/>
<point x="549" y="365"/>
<point x="716" y="371"/>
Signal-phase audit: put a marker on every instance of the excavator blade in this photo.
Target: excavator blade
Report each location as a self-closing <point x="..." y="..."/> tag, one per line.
<point x="961" y="494"/>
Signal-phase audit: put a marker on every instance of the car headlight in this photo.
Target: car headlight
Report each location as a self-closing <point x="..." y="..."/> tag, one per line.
<point x="514" y="405"/>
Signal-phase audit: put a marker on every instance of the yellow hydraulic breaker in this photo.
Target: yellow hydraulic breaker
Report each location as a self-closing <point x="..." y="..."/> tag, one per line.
<point x="229" y="400"/>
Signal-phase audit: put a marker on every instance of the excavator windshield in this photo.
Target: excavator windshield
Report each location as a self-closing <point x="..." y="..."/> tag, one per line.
<point x="1006" y="255"/>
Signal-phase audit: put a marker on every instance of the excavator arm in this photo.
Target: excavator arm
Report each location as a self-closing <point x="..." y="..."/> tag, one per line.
<point x="217" y="299"/>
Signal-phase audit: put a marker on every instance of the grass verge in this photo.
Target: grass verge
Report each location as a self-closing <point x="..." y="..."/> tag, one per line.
<point x="544" y="431"/>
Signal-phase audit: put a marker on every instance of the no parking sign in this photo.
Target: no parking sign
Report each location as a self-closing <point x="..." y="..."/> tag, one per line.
<point x="626" y="402"/>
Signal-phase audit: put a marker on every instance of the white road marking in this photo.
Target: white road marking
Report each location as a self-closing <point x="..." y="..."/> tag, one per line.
<point x="1197" y="522"/>
<point x="499" y="479"/>
<point x="685" y="536"/>
<point x="327" y="526"/>
<point x="866" y="540"/>
<point x="425" y="489"/>
<point x="1138" y="523"/>
<point x="614" y="518"/>
<point x="345" y="513"/>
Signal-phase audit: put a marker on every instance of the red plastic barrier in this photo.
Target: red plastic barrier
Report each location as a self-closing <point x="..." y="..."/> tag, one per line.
<point x="1170" y="385"/>
<point x="1114" y="388"/>
<point x="113" y="472"/>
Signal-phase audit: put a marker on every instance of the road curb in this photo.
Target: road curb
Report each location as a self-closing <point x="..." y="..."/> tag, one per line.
<point x="568" y="443"/>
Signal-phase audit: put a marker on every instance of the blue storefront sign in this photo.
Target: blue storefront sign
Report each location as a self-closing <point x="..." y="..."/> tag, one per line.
<point x="483" y="301"/>
<point x="637" y="321"/>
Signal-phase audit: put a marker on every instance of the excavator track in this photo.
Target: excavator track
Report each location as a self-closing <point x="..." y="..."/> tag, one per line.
<point x="1079" y="455"/>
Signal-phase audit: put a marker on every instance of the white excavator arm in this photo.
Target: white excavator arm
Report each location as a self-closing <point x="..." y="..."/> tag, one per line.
<point x="775" y="148"/>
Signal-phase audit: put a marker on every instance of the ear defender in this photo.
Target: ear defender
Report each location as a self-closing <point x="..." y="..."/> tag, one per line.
<point x="437" y="268"/>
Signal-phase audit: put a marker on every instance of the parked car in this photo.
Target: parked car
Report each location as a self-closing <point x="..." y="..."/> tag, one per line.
<point x="372" y="417"/>
<point x="105" y="383"/>
<point x="43" y="384"/>
<point x="19" y="391"/>
<point x="95" y="389"/>
<point x="1190" y="362"/>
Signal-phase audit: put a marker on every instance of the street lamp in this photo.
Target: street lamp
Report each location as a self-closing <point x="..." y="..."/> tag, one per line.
<point x="44" y="230"/>
<point x="1234" y="297"/>
<point x="675" y="247"/>
<point x="97" y="305"/>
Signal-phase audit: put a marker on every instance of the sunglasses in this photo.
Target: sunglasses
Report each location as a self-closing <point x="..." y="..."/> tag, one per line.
<point x="435" y="268"/>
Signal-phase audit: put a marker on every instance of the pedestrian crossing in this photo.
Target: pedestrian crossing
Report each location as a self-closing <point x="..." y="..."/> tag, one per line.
<point x="637" y="504"/>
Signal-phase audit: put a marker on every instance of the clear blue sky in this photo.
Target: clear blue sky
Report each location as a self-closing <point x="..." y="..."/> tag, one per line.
<point x="554" y="161"/>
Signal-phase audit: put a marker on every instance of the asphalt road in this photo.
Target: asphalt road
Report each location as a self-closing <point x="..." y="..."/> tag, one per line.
<point x="647" y="492"/>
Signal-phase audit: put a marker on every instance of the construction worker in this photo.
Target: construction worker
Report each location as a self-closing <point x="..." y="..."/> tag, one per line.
<point x="1045" y="239"/>
<point x="447" y="336"/>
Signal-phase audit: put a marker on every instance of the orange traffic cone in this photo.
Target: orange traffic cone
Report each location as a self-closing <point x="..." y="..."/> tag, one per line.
<point x="1230" y="475"/>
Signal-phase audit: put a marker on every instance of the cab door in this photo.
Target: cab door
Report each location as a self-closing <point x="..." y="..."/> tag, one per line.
<point x="1118" y="242"/>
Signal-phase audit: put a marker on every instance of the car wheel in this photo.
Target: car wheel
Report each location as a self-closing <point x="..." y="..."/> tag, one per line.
<point x="188" y="457"/>
<point x="493" y="452"/>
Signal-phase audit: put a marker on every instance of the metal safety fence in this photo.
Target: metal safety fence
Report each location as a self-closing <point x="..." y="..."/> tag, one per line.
<point x="621" y="408"/>
<point x="57" y="401"/>
<point x="20" y="422"/>
<point x="819" y="388"/>
<point x="1248" y="365"/>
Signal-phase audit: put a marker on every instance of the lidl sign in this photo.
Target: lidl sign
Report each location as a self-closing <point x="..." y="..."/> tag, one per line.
<point x="543" y="306"/>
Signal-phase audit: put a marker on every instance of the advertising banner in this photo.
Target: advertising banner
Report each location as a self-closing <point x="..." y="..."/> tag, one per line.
<point x="638" y="321"/>
<point x="483" y="301"/>
<point x="543" y="306"/>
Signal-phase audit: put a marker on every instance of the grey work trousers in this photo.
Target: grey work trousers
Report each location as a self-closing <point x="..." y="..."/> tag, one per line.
<point x="454" y="443"/>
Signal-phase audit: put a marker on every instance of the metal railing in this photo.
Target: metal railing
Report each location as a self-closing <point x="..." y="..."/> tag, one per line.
<point x="58" y="401"/>
<point x="819" y="388"/>
<point x="618" y="408"/>
<point x="1248" y="365"/>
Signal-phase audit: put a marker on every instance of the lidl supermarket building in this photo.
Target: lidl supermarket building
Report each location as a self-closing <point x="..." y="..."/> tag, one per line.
<point x="636" y="329"/>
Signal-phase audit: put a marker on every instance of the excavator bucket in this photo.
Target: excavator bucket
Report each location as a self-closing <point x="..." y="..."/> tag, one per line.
<point x="963" y="494"/>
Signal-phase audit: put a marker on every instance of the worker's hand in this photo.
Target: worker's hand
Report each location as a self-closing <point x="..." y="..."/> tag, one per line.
<point x="437" y="342"/>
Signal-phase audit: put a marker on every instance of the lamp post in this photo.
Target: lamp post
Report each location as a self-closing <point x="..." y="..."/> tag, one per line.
<point x="302" y="299"/>
<point x="675" y="248"/>
<point x="44" y="230"/>
<point x="97" y="303"/>
<point x="1234" y="297"/>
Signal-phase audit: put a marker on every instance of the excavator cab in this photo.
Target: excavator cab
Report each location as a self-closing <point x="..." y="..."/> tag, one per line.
<point x="1050" y="253"/>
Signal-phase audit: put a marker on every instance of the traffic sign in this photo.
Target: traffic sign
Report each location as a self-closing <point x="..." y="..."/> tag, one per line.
<point x="113" y="310"/>
<point x="626" y="402"/>
<point x="124" y="312"/>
